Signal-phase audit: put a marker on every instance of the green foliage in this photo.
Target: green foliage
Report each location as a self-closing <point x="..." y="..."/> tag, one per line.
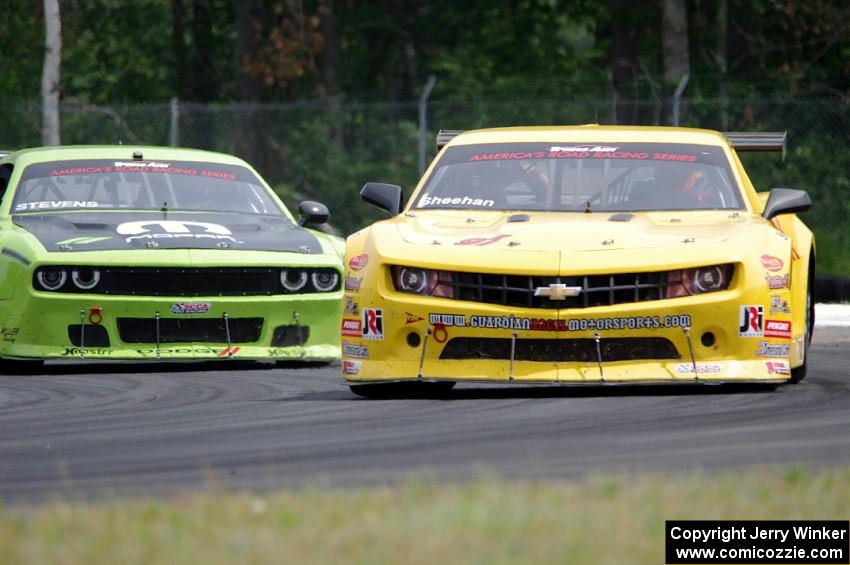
<point x="499" y="63"/>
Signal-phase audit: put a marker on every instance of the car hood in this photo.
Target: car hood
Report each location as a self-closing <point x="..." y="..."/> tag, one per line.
<point x="572" y="232"/>
<point x="537" y="242"/>
<point x="98" y="231"/>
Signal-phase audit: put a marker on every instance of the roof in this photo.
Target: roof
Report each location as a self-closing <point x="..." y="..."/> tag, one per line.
<point x="124" y="152"/>
<point x="591" y="133"/>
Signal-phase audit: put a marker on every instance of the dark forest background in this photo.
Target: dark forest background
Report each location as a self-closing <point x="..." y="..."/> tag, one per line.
<point x="320" y="95"/>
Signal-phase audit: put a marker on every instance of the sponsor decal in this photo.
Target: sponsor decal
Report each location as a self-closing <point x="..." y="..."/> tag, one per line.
<point x="777" y="328"/>
<point x="508" y="156"/>
<point x="777" y="367"/>
<point x="776" y="282"/>
<point x="801" y="349"/>
<point x="154" y="167"/>
<point x="584" y="152"/>
<point x="191" y="308"/>
<point x="767" y="349"/>
<point x="352" y="283"/>
<point x="778" y="305"/>
<point x="200" y="350"/>
<point x="352" y="328"/>
<point x="9" y="334"/>
<point x="82" y="240"/>
<point x="228" y="351"/>
<point x="55" y="204"/>
<point x="350" y="349"/>
<point x="80" y="171"/>
<point x="358" y="261"/>
<point x="549" y="325"/>
<point x="142" y="164"/>
<point x="75" y="351"/>
<point x="771" y="263"/>
<point x="751" y="321"/>
<point x="585" y="148"/>
<point x="479" y="241"/>
<point x="173" y="229"/>
<point x="455" y="201"/>
<point x="631" y="323"/>
<point x="373" y="323"/>
<point x="351" y="307"/>
<point x="411" y="318"/>
<point x="702" y="368"/>
<point x="350" y="367"/>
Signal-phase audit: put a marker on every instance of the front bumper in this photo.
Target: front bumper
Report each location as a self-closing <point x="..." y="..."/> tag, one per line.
<point x="701" y="334"/>
<point x="42" y="325"/>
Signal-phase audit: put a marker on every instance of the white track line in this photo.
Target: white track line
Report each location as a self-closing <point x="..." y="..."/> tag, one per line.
<point x="832" y="315"/>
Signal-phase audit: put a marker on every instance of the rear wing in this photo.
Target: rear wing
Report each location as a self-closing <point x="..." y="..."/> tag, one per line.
<point x="740" y="140"/>
<point x="758" y="141"/>
<point x="446" y="135"/>
<point x="4" y="152"/>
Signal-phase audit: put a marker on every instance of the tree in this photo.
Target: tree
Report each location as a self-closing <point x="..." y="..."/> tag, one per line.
<point x="50" y="73"/>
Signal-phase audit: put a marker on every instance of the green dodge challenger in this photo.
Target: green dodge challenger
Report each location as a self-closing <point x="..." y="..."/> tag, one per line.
<point x="119" y="252"/>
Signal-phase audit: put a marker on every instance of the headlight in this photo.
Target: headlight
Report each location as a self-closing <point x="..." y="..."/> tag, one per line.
<point x="51" y="279"/>
<point x="423" y="281"/>
<point x="325" y="280"/>
<point x="85" y="279"/>
<point x="293" y="280"/>
<point x="688" y="282"/>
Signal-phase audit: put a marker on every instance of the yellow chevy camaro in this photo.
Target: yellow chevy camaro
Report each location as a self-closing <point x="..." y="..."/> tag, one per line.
<point x="580" y="255"/>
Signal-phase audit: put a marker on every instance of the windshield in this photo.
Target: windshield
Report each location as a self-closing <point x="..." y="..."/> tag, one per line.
<point x="585" y="177"/>
<point x="141" y="185"/>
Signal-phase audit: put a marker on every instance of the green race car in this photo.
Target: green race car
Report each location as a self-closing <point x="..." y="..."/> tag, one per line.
<point x="119" y="252"/>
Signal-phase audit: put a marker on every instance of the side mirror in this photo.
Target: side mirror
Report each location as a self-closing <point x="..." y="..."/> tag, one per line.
<point x="387" y="197"/>
<point x="311" y="212"/>
<point x="786" y="201"/>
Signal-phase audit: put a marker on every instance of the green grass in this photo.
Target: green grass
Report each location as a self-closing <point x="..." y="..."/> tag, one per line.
<point x="489" y="520"/>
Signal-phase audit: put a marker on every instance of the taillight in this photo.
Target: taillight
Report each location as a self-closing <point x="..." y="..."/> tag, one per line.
<point x="428" y="282"/>
<point x="688" y="282"/>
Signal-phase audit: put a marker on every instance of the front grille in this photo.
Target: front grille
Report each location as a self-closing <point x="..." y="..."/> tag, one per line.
<point x="199" y="330"/>
<point x="597" y="290"/>
<point x="561" y="350"/>
<point x="189" y="282"/>
<point x="177" y="281"/>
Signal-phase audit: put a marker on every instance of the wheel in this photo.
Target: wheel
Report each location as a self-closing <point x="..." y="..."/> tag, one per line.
<point x="799" y="373"/>
<point x="404" y="390"/>
<point x="20" y="367"/>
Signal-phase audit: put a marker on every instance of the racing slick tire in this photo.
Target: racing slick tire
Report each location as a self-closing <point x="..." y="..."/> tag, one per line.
<point x="799" y="373"/>
<point x="20" y="367"/>
<point x="404" y="390"/>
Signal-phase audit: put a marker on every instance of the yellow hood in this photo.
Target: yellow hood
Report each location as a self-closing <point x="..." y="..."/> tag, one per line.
<point x="547" y="242"/>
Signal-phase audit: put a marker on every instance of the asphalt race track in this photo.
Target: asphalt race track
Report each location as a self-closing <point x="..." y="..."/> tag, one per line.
<point x="83" y="431"/>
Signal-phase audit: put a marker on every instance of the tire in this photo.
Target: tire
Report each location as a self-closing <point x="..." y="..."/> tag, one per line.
<point x="20" y="367"/>
<point x="799" y="373"/>
<point x="404" y="390"/>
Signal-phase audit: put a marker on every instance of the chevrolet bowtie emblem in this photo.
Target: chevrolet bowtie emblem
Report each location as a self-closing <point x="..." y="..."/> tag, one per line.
<point x="557" y="291"/>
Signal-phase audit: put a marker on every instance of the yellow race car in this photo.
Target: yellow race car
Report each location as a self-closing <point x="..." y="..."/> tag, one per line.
<point x="580" y="255"/>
